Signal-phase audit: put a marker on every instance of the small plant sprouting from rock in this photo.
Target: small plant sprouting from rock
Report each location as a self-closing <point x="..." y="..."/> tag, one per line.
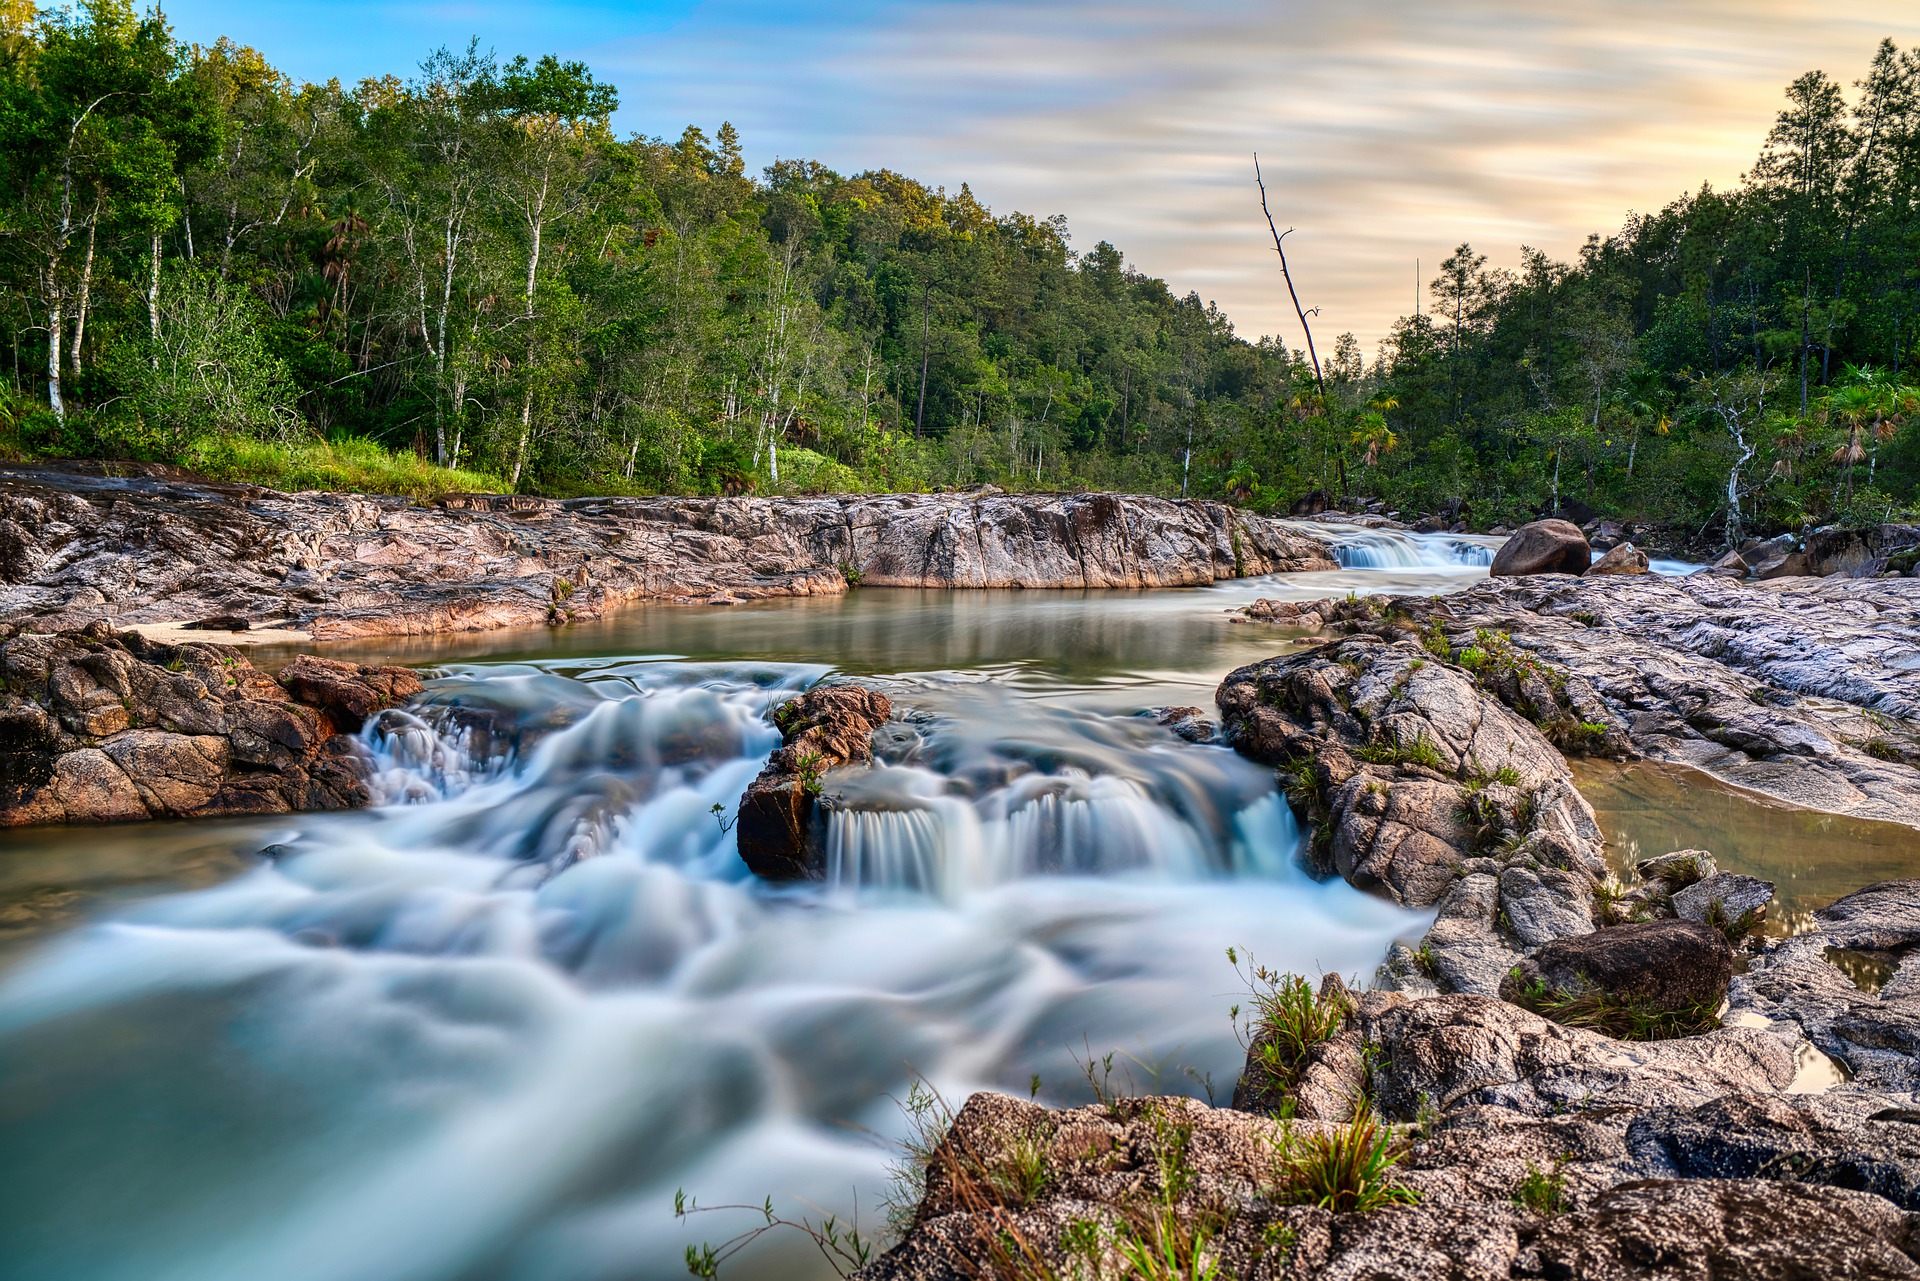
<point x="719" y="813"/>
<point x="1543" y="1191"/>
<point x="1733" y="928"/>
<point x="1288" y="1018"/>
<point x="1349" y="1168"/>
<point x="808" y="767"/>
<point x="1421" y="752"/>
<point x="850" y="572"/>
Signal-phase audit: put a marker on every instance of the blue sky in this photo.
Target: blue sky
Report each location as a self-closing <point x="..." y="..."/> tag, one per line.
<point x="1390" y="130"/>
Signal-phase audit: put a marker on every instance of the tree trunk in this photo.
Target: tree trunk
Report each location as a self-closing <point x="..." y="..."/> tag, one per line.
<point x="56" y="333"/>
<point x="153" y="299"/>
<point x="919" y="410"/>
<point x="86" y="287"/>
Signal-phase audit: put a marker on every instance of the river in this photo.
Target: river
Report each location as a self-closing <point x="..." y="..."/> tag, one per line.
<point x="485" y="1030"/>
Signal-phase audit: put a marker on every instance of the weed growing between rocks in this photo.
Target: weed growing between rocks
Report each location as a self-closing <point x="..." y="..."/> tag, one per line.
<point x="1348" y="1169"/>
<point x="1619" y="1017"/>
<point x="1543" y="1191"/>
<point x="1733" y="928"/>
<point x="1288" y="1018"/>
<point x="1421" y="752"/>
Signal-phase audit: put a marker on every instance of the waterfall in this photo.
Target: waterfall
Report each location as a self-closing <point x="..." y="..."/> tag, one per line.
<point x="1357" y="548"/>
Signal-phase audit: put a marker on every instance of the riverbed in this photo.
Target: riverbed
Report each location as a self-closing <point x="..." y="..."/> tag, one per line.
<point x="488" y="1028"/>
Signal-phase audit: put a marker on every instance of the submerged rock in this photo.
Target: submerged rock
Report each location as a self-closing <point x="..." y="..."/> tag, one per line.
<point x="101" y="727"/>
<point x="1543" y="547"/>
<point x="780" y="829"/>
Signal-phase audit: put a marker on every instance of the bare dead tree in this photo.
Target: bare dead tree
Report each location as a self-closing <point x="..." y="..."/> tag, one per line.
<point x="1280" y="248"/>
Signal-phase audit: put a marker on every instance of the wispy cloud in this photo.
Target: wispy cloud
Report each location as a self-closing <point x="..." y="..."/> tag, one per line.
<point x="1389" y="130"/>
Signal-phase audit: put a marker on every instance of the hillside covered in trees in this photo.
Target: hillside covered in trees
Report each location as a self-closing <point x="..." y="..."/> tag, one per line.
<point x="206" y="263"/>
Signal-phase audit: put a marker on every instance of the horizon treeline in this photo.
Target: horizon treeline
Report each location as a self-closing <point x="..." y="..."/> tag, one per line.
<point x="209" y="264"/>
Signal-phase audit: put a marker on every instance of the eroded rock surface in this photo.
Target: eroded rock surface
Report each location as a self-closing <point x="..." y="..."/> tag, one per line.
<point x="148" y="549"/>
<point x="1807" y="690"/>
<point x="1418" y="784"/>
<point x="781" y="824"/>
<point x="98" y="727"/>
<point x="1543" y="547"/>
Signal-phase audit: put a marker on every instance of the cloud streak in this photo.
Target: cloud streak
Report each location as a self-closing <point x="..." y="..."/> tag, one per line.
<point x="1389" y="130"/>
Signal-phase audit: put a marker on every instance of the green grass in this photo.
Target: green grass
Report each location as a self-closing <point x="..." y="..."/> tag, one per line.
<point x="1422" y="753"/>
<point x="1618" y="1017"/>
<point x="1289" y="1018"/>
<point x="351" y="464"/>
<point x="1349" y="1169"/>
<point x="1543" y="1191"/>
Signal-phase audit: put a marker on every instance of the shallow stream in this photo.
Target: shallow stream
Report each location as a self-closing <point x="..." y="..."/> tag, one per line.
<point x="485" y="1030"/>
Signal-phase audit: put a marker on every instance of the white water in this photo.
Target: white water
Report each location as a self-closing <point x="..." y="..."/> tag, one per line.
<point x="486" y="1030"/>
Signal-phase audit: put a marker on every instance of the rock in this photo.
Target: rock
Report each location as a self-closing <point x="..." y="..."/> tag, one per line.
<point x="1726" y="901"/>
<point x="1312" y="503"/>
<point x="1449" y="1051"/>
<point x="1801" y="689"/>
<point x="1867" y="1141"/>
<point x="159" y="549"/>
<point x="1880" y="917"/>
<point x="1546" y="904"/>
<point x="1395" y="739"/>
<point x="1723" y="1230"/>
<point x="347" y="693"/>
<point x="1857" y="553"/>
<point x="780" y="826"/>
<point x="1679" y="868"/>
<point x="1624" y="558"/>
<point x="1543" y="547"/>
<point x="175" y="774"/>
<point x="101" y="727"/>
<point x="1658" y="965"/>
<point x="1189" y="723"/>
<point x="93" y="788"/>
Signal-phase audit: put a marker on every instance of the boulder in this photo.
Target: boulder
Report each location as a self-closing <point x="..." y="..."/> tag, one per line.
<point x="1679" y="868"/>
<point x="1723" y="1230"/>
<point x="1543" y="547"/>
<point x="1624" y="558"/>
<point x="100" y="727"/>
<point x="1667" y="966"/>
<point x="346" y="692"/>
<point x="780" y="829"/>
<point x="1726" y="900"/>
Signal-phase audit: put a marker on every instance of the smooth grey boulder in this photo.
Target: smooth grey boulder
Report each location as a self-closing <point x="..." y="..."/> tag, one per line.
<point x="1679" y="868"/>
<point x="1882" y="916"/>
<point x="1543" y="547"/>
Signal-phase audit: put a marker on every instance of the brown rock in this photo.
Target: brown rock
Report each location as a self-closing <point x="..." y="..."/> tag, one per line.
<point x="92" y="788"/>
<point x="1662" y="965"/>
<point x="175" y="774"/>
<point x="779" y="828"/>
<point x="1623" y="559"/>
<point x="349" y="694"/>
<point x="1543" y="547"/>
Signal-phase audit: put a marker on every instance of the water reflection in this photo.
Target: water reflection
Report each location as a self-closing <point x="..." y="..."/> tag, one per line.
<point x="1648" y="808"/>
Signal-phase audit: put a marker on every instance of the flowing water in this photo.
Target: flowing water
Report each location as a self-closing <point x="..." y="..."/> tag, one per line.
<point x="487" y="1028"/>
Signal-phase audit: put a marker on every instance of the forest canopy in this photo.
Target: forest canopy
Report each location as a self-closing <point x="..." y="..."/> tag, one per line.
<point x="464" y="278"/>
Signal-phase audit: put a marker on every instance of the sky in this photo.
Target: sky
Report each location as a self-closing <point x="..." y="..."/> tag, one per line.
<point x="1389" y="130"/>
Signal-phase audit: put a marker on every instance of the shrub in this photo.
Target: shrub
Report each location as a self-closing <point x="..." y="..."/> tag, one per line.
<point x="1543" y="1191"/>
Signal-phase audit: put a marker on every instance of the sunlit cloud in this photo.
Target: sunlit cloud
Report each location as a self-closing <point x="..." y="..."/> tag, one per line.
<point x="1390" y="131"/>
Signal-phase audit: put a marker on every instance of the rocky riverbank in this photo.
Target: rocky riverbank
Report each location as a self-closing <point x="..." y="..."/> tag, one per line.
<point x="98" y="726"/>
<point x="155" y="551"/>
<point x="1564" y="1079"/>
<point x="1807" y="690"/>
